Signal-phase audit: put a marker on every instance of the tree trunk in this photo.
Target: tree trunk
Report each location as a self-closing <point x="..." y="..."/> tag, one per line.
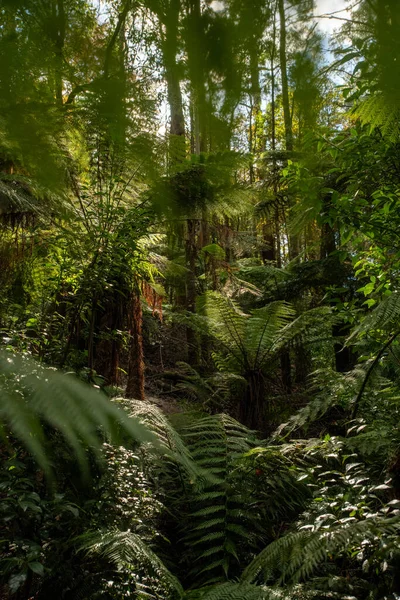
<point x="197" y="72"/>
<point x="278" y="257"/>
<point x="135" y="383"/>
<point x="175" y="102"/>
<point x="59" y="40"/>
<point x="268" y="251"/>
<point x="191" y="260"/>
<point x="285" y="86"/>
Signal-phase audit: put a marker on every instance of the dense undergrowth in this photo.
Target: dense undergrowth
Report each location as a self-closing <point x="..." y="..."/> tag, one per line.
<point x="199" y="300"/>
<point x="205" y="508"/>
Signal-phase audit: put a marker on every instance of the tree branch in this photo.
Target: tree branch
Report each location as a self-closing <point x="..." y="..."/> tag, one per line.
<point x="369" y="372"/>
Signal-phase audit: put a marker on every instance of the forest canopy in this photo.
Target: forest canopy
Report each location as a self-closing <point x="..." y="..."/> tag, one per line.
<point x="199" y="299"/>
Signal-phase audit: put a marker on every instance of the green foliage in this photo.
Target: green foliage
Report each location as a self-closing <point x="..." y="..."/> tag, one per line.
<point x="342" y="391"/>
<point x="169" y="441"/>
<point x="248" y="341"/>
<point x="217" y="525"/>
<point x="127" y="551"/>
<point x="230" y="591"/>
<point x="297" y="556"/>
<point x="33" y="396"/>
<point x="209" y="392"/>
<point x="348" y="521"/>
<point x="87" y="182"/>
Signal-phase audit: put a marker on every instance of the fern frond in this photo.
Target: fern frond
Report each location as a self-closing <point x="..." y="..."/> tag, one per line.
<point x="385" y="316"/>
<point x="263" y="329"/>
<point x="342" y="389"/>
<point x="226" y="322"/>
<point x="32" y="395"/>
<point x="381" y="112"/>
<point x="217" y="524"/>
<point x="124" y="548"/>
<point x="230" y="591"/>
<point x="296" y="556"/>
<point x="310" y="327"/>
<point x="169" y="438"/>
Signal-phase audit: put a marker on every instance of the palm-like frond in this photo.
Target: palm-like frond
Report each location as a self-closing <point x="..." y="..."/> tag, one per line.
<point x="263" y="331"/>
<point x="126" y="549"/>
<point x="311" y="327"/>
<point x="247" y="340"/>
<point x="32" y="395"/>
<point x="250" y="341"/>
<point x="342" y="389"/>
<point x="226" y="322"/>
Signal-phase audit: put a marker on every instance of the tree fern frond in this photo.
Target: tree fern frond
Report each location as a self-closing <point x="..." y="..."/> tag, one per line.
<point x="263" y="328"/>
<point x="310" y="327"/>
<point x="32" y="395"/>
<point x="342" y="389"/>
<point x="225" y="321"/>
<point x="216" y="524"/>
<point x="381" y="112"/>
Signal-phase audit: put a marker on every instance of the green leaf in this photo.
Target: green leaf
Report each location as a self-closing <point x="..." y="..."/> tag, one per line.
<point x="37" y="568"/>
<point x="16" y="581"/>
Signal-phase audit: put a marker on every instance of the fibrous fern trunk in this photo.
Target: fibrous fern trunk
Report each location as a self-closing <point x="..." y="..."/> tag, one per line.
<point x="135" y="383"/>
<point x="252" y="409"/>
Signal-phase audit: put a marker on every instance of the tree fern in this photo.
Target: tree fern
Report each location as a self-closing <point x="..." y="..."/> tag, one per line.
<point x="250" y="344"/>
<point x="32" y="395"/>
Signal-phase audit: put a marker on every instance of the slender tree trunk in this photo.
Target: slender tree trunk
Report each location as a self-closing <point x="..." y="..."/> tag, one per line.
<point x="255" y="105"/>
<point x="191" y="263"/>
<point x="91" y="334"/>
<point x="284" y="77"/>
<point x="268" y="252"/>
<point x="177" y="153"/>
<point x="197" y="72"/>
<point x="287" y="115"/>
<point x="59" y="39"/>
<point x="278" y="257"/>
<point x="175" y="101"/>
<point x="195" y="52"/>
<point x="135" y="383"/>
